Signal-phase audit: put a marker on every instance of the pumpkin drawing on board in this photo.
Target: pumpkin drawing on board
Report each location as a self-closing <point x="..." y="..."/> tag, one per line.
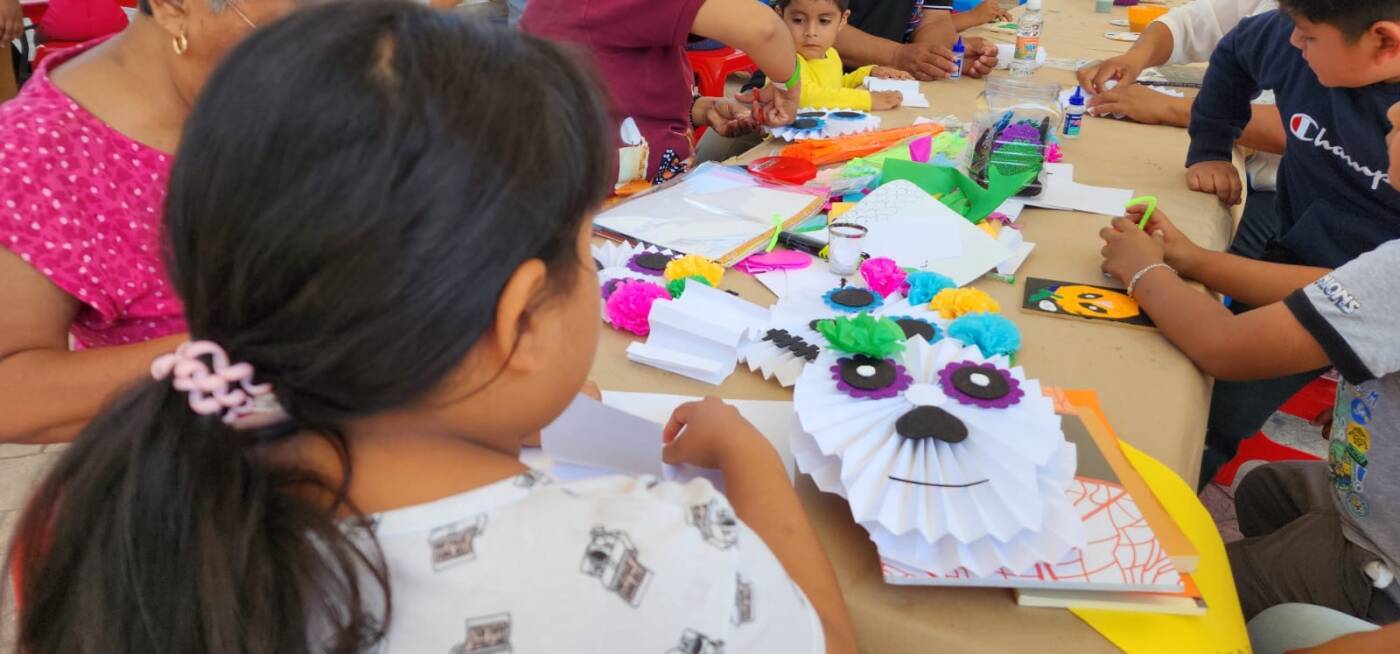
<point x="1085" y="301"/>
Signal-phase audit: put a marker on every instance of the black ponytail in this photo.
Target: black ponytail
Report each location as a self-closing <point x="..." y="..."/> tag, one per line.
<point x="353" y="189"/>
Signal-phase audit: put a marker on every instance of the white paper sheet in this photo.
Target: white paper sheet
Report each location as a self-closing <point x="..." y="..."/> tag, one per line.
<point x="1012" y="209"/>
<point x="773" y="419"/>
<point x="1018" y="257"/>
<point x="623" y="434"/>
<point x="812" y="280"/>
<point x="917" y="231"/>
<point x="908" y="90"/>
<point x="1020" y="249"/>
<point x="1062" y="192"/>
<point x="667" y="218"/>
<point x="590" y="433"/>
<point x="757" y="203"/>
<point x="699" y="334"/>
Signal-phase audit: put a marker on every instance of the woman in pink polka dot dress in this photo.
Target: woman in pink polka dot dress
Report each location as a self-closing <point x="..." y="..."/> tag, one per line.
<point x="83" y="168"/>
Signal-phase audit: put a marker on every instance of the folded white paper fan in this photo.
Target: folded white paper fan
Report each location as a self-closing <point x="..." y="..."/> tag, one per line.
<point x="948" y="458"/>
<point x="826" y="124"/>
<point x="791" y="340"/>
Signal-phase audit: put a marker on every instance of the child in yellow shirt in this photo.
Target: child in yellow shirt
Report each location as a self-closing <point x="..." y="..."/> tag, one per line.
<point x="825" y="85"/>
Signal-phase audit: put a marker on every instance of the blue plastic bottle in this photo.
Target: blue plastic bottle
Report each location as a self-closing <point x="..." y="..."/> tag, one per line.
<point x="1074" y="114"/>
<point x="959" y="50"/>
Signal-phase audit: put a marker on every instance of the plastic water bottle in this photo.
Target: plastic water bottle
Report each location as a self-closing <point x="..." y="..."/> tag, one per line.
<point x="1027" y="40"/>
<point x="959" y="54"/>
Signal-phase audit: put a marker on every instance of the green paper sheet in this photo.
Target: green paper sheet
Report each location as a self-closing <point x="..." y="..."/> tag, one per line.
<point x="956" y="190"/>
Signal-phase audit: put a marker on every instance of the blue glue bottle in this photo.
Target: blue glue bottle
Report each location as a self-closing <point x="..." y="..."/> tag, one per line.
<point x="959" y="50"/>
<point x="1074" y="114"/>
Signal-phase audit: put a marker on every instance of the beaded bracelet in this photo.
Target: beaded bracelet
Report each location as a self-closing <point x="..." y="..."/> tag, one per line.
<point x="1132" y="283"/>
<point x="694" y="98"/>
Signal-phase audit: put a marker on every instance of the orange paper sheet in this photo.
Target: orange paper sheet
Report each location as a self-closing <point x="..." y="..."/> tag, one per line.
<point x="1221" y="629"/>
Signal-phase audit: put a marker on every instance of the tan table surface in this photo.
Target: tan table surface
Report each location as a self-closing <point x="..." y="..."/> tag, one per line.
<point x="1154" y="397"/>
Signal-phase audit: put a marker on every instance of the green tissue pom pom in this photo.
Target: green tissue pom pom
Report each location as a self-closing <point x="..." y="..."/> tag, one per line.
<point x="677" y="286"/>
<point x="864" y="334"/>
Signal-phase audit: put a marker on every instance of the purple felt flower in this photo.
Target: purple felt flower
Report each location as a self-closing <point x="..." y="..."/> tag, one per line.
<point x="980" y="384"/>
<point x="902" y="381"/>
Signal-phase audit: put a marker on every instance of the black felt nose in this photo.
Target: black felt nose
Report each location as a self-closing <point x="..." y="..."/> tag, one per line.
<point x="931" y="422"/>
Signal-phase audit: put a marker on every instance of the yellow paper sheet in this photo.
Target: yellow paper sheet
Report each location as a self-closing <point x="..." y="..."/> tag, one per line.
<point x="838" y="208"/>
<point x="1221" y="630"/>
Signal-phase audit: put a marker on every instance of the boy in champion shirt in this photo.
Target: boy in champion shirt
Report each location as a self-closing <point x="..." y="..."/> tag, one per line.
<point x="1334" y="68"/>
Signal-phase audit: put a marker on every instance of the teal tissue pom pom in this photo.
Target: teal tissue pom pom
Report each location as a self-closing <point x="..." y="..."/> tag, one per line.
<point x="991" y="333"/>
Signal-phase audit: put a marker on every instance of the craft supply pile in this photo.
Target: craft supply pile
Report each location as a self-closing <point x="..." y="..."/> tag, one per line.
<point x="909" y="402"/>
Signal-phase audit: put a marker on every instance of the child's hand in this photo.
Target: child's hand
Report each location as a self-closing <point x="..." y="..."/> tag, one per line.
<point x="1123" y="70"/>
<point x="1134" y="102"/>
<point x="885" y="72"/>
<point x="1218" y="177"/>
<point x="1179" y="251"/>
<point x="773" y="104"/>
<point x="729" y="118"/>
<point x="979" y="57"/>
<point x="926" y="62"/>
<point x="989" y="11"/>
<point x="714" y="435"/>
<point x="1128" y="250"/>
<point x="882" y="100"/>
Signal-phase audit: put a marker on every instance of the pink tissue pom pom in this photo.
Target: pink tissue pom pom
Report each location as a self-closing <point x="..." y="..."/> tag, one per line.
<point x="1052" y="153"/>
<point x="883" y="275"/>
<point x="630" y="304"/>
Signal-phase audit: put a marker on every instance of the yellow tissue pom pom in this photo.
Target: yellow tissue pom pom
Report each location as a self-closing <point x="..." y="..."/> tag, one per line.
<point x="694" y="265"/>
<point x="954" y="302"/>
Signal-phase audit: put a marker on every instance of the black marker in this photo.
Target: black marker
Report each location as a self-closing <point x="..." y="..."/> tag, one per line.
<point x="807" y="244"/>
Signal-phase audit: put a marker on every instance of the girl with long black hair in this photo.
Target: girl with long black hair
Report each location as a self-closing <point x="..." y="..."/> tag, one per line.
<point x="378" y="221"/>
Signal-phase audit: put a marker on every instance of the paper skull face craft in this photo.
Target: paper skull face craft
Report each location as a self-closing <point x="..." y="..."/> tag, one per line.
<point x="792" y="339"/>
<point x="948" y="458"/>
<point x="1087" y="301"/>
<point x="617" y="262"/>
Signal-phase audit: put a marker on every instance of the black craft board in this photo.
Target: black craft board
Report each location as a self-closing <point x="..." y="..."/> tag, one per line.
<point x="1033" y="302"/>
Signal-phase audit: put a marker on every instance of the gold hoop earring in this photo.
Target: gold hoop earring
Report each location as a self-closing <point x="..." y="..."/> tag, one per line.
<point x="180" y="44"/>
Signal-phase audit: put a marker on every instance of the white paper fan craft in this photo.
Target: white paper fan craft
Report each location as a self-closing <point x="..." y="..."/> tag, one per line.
<point x="824" y="124"/>
<point x="791" y="340"/>
<point x="948" y="458"/>
<point x="618" y="261"/>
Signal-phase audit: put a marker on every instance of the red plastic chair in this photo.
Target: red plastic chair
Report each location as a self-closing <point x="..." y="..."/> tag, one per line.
<point x="34" y="9"/>
<point x="34" y="12"/>
<point x="713" y="67"/>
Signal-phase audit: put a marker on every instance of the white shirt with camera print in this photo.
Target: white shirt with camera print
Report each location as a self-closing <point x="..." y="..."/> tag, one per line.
<point x="612" y="564"/>
<point x="1352" y="313"/>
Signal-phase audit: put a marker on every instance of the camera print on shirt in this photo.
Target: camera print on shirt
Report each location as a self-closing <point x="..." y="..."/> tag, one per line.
<point x="716" y="523"/>
<point x="612" y="558"/>
<point x="455" y="543"/>
<point x="743" y="601"/>
<point x="1349" y="450"/>
<point x="488" y="634"/>
<point x="694" y="642"/>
